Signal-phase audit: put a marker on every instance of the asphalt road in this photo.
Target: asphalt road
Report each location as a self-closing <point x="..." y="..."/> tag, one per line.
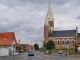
<point x="39" y="56"/>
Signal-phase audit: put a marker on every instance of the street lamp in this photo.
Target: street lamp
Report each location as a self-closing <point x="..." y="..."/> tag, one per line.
<point x="75" y="45"/>
<point x="19" y="46"/>
<point x="13" y="53"/>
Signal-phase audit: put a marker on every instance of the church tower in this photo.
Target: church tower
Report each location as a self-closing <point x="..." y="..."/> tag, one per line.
<point x="49" y="23"/>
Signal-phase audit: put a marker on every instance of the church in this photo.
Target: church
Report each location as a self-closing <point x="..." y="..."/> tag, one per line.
<point x="59" y="37"/>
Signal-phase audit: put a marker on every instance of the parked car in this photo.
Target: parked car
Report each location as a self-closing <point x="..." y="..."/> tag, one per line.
<point x="30" y="53"/>
<point x="20" y="51"/>
<point x="60" y="52"/>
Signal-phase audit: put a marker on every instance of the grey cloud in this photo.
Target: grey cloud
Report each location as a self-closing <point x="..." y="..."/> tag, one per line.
<point x="60" y="2"/>
<point x="60" y="22"/>
<point x="57" y="2"/>
<point x="12" y="3"/>
<point x="78" y="17"/>
<point x="26" y="17"/>
<point x="75" y="2"/>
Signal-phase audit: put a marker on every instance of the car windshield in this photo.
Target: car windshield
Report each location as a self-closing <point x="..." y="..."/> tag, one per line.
<point x="31" y="51"/>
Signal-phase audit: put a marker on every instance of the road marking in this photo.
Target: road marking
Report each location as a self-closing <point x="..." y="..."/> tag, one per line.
<point x="46" y="55"/>
<point x="47" y="59"/>
<point x="38" y="56"/>
<point x="41" y="57"/>
<point x="24" y="57"/>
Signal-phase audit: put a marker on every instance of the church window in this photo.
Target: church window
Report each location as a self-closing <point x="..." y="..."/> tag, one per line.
<point x="73" y="42"/>
<point x="68" y="42"/>
<point x="63" y="42"/>
<point x="58" y="42"/>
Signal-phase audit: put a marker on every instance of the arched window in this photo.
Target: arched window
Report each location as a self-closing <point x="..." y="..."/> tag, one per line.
<point x="73" y="42"/>
<point x="63" y="42"/>
<point x="68" y="41"/>
<point x="58" y="42"/>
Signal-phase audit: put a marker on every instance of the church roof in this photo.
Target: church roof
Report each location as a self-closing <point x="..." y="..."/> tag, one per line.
<point x="78" y="34"/>
<point x="64" y="33"/>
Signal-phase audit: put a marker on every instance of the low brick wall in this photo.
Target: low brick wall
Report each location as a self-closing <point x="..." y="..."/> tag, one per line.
<point x="73" y="53"/>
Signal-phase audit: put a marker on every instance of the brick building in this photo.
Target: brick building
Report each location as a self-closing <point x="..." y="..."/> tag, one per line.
<point x="25" y="47"/>
<point x="59" y="37"/>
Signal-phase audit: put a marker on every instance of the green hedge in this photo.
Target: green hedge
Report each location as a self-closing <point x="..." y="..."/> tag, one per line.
<point x="25" y="50"/>
<point x="64" y="50"/>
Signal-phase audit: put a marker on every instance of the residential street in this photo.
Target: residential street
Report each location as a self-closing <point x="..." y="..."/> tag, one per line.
<point x="38" y="56"/>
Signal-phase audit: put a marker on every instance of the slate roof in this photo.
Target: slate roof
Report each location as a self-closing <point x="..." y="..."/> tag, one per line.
<point x="7" y="38"/>
<point x="63" y="33"/>
<point x="78" y="34"/>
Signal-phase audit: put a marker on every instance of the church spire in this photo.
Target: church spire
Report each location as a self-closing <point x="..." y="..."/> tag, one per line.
<point x="49" y="16"/>
<point x="49" y="8"/>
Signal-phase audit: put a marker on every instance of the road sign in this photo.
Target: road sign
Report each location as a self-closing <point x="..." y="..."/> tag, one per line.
<point x="66" y="45"/>
<point x="66" y="42"/>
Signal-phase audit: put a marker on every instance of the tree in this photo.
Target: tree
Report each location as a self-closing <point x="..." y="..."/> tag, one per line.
<point x="36" y="46"/>
<point x="76" y="47"/>
<point x="50" y="45"/>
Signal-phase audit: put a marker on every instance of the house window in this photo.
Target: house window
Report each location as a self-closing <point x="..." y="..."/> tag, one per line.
<point x="58" y="42"/>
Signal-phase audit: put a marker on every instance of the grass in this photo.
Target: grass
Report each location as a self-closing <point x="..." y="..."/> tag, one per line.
<point x="64" y="50"/>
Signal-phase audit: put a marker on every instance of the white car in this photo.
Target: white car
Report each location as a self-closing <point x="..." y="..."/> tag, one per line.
<point x="60" y="52"/>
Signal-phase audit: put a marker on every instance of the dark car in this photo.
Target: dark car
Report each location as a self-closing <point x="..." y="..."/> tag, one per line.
<point x="30" y="53"/>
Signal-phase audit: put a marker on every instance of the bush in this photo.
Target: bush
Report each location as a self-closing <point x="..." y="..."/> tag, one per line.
<point x="71" y="48"/>
<point x="25" y="50"/>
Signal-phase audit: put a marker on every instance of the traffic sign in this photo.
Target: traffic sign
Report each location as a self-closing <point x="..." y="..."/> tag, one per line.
<point x="66" y="45"/>
<point x="66" y="42"/>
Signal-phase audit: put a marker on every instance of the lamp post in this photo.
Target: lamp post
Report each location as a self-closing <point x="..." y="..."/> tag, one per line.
<point x="31" y="43"/>
<point x="13" y="47"/>
<point x="13" y="53"/>
<point x="19" y="46"/>
<point x="75" y="46"/>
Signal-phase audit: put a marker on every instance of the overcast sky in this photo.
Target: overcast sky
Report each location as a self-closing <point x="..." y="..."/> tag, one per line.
<point x="26" y="17"/>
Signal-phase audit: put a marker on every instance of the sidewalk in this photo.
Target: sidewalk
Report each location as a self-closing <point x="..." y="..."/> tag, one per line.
<point x="63" y="55"/>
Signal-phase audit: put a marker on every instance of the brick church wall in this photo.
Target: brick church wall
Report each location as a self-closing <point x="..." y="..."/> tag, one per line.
<point x="71" y="41"/>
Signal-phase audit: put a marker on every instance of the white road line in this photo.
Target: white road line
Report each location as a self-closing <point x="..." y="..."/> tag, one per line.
<point x="41" y="57"/>
<point x="46" y="55"/>
<point x="24" y="57"/>
<point x="38" y="56"/>
<point x="47" y="59"/>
